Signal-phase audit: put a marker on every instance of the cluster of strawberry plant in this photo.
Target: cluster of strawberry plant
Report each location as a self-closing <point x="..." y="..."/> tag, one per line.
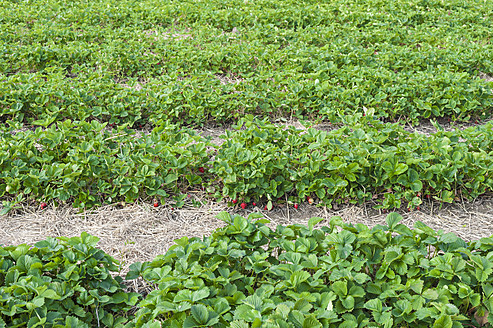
<point x="63" y="282"/>
<point x="358" y="162"/>
<point x="192" y="62"/>
<point x="90" y="164"/>
<point x="248" y="275"/>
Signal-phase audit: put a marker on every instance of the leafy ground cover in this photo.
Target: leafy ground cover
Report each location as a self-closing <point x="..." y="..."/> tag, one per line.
<point x="249" y="275"/>
<point x="192" y="62"/>
<point x="88" y="164"/>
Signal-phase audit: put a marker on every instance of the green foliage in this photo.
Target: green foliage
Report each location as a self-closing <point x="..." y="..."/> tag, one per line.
<point x="63" y="282"/>
<point x="91" y="164"/>
<point x="191" y="62"/>
<point x="358" y="162"/>
<point x="248" y="275"/>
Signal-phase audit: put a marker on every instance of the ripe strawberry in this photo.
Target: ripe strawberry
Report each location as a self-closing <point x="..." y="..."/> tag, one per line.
<point x="428" y="196"/>
<point x="235" y="201"/>
<point x="43" y="205"/>
<point x="265" y="208"/>
<point x="254" y="204"/>
<point x="296" y="206"/>
<point x="156" y="204"/>
<point x="201" y="170"/>
<point x="418" y="208"/>
<point x="243" y="205"/>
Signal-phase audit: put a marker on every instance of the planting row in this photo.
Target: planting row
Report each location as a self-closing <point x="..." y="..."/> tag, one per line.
<point x="248" y="275"/>
<point x="40" y="99"/>
<point x="91" y="164"/>
<point x="194" y="62"/>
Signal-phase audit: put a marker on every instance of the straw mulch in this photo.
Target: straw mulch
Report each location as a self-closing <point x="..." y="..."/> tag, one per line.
<point x="139" y="232"/>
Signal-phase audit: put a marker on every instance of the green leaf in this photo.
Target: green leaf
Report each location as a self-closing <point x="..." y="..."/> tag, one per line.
<point x="221" y="306"/>
<point x="374" y="305"/>
<point x="313" y="221"/>
<point x="200" y="294"/>
<point x="35" y="303"/>
<point x="448" y="238"/>
<point x="240" y="223"/>
<point x="445" y="321"/>
<point x="393" y="220"/>
<point x="400" y="168"/>
<point x="340" y="288"/>
<point x="348" y="302"/>
<point x="361" y="278"/>
<point x="239" y="324"/>
<point x="430" y="294"/>
<point x="311" y="322"/>
<point x="298" y="277"/>
<point x="224" y="216"/>
<point x="200" y="313"/>
<point x="183" y="295"/>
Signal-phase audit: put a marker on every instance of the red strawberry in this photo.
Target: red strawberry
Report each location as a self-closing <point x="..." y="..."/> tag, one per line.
<point x="296" y="206"/>
<point x="418" y="208"/>
<point x="243" y="205"/>
<point x="43" y="205"/>
<point x="265" y="208"/>
<point x="156" y="204"/>
<point x="235" y="201"/>
<point x="254" y="204"/>
<point x="201" y="170"/>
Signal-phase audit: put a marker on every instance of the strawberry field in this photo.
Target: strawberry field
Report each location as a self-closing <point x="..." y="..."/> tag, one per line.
<point x="106" y="103"/>
<point x="79" y="81"/>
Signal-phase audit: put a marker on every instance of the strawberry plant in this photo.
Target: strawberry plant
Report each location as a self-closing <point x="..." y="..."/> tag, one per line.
<point x="355" y="162"/>
<point x="63" y="282"/>
<point x="91" y="165"/>
<point x="338" y="275"/>
<point x="88" y="164"/>
<point x="247" y="274"/>
<point x="292" y="59"/>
